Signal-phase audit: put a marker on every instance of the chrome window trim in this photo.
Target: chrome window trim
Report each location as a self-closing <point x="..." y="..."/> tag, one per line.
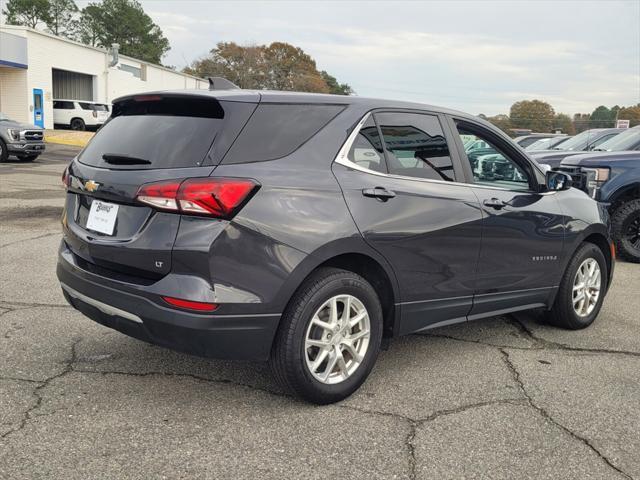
<point x="343" y="159"/>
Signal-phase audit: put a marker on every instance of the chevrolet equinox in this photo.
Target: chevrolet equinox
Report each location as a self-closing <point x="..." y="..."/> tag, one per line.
<point x="309" y="229"/>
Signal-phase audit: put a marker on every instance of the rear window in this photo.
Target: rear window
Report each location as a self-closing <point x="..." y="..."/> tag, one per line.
<point x="277" y="130"/>
<point x="152" y="132"/>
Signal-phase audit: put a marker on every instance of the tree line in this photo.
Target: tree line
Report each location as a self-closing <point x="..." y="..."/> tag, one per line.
<point x="278" y="66"/>
<point x="540" y="116"/>
<point x="99" y="24"/>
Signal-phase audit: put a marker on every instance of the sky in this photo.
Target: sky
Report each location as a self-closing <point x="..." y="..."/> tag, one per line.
<point x="476" y="56"/>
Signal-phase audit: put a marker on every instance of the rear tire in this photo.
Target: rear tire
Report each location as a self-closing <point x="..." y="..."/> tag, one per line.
<point x="626" y="230"/>
<point x="580" y="295"/>
<point x="4" y="153"/>
<point x="341" y="357"/>
<point x="78" y="124"/>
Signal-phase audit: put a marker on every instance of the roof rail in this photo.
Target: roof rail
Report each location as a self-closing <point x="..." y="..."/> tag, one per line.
<point x="221" y="83"/>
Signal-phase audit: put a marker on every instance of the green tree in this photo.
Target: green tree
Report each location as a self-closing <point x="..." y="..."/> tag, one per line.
<point x="581" y="122"/>
<point x="335" y="87"/>
<point x="503" y="122"/>
<point x="124" y="22"/>
<point x="564" y="123"/>
<point x="630" y="113"/>
<point x="279" y="66"/>
<point x="603" y="117"/>
<point x="532" y="114"/>
<point x="89" y="27"/>
<point x="29" y="13"/>
<point x="62" y="17"/>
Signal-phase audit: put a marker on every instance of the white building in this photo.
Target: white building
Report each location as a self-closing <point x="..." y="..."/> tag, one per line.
<point x="36" y="68"/>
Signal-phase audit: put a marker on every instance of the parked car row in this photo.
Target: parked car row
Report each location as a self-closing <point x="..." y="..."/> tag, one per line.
<point x="611" y="175"/>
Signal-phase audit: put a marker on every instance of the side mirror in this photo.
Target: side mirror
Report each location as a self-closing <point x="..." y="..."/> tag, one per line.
<point x="556" y="181"/>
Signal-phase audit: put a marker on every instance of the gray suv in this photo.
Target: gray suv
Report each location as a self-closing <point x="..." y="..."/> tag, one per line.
<point x="20" y="139"/>
<point x="304" y="229"/>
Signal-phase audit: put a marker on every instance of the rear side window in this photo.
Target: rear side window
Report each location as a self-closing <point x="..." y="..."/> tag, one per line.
<point x="277" y="130"/>
<point x="366" y="150"/>
<point x="153" y="132"/>
<point x="415" y="146"/>
<point x="85" y="106"/>
<point x="61" y="105"/>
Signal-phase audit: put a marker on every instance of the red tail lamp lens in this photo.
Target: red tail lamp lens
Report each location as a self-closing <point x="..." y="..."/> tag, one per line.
<point x="189" y="305"/>
<point x="214" y="197"/>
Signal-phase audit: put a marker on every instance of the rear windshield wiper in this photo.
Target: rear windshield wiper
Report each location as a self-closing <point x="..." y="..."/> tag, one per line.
<point x="115" y="159"/>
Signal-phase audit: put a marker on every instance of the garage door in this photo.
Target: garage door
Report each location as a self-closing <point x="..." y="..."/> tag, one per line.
<point x="72" y="85"/>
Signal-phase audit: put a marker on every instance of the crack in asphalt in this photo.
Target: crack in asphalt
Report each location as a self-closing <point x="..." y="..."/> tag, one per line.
<point x="28" y="414"/>
<point x="412" y="423"/>
<point x="9" y="305"/>
<point x="20" y="379"/>
<point x="219" y="381"/>
<point x="539" y="343"/>
<point x="29" y="239"/>
<point x="546" y="416"/>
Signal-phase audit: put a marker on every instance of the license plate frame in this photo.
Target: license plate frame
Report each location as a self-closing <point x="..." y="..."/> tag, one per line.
<point x="102" y="217"/>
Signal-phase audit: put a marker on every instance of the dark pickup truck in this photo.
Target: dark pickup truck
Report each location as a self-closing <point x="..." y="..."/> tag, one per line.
<point x="612" y="178"/>
<point x="20" y="140"/>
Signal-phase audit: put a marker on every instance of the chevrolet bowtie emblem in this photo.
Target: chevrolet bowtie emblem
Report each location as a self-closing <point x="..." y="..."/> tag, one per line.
<point x="91" y="186"/>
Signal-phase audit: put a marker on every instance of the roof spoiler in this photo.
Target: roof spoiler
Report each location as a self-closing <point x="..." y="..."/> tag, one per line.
<point x="220" y="83"/>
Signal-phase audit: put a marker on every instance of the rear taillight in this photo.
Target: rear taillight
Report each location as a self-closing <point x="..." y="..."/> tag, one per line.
<point x="210" y="196"/>
<point x="95" y="114"/>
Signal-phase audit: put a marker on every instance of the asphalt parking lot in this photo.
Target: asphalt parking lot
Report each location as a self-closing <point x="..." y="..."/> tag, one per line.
<point x="502" y="398"/>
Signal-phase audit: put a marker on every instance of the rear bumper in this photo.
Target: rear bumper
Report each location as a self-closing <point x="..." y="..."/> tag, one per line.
<point x="115" y="305"/>
<point x="32" y="148"/>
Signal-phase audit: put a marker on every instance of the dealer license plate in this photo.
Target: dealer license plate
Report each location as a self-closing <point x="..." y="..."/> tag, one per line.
<point x="102" y="217"/>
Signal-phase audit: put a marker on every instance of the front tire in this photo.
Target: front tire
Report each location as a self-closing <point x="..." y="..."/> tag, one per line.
<point x="78" y="124"/>
<point x="582" y="289"/>
<point x="329" y="337"/>
<point x="626" y="230"/>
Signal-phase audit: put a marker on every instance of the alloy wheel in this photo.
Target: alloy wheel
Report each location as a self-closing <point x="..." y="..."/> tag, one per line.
<point x="337" y="339"/>
<point x="586" y="287"/>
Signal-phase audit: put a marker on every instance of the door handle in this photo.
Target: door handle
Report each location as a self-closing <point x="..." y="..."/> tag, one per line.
<point x="494" y="203"/>
<point x="380" y="193"/>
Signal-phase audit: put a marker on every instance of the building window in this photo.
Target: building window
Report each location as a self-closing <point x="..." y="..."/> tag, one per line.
<point x="135" y="71"/>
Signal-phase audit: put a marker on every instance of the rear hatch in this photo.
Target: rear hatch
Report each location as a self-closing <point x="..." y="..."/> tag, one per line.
<point x="149" y="138"/>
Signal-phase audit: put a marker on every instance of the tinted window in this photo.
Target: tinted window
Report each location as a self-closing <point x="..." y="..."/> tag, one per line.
<point x="626" y="140"/>
<point x="579" y="142"/>
<point x="490" y="166"/>
<point x="167" y="133"/>
<point x="63" y="105"/>
<point x="366" y="150"/>
<point x="277" y="130"/>
<point x="602" y="139"/>
<point x="85" y="106"/>
<point x="100" y="108"/>
<point x="415" y="146"/>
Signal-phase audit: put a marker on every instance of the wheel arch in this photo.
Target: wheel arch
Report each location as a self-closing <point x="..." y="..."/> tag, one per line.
<point x="624" y="194"/>
<point x="356" y="256"/>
